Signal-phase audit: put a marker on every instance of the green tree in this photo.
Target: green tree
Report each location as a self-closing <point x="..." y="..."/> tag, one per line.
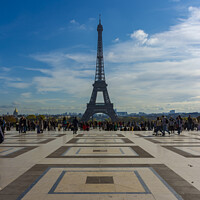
<point x="41" y="116"/>
<point x="10" y="119"/>
<point x="31" y="117"/>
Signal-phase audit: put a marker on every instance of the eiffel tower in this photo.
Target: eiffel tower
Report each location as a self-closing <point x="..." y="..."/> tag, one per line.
<point x="99" y="86"/>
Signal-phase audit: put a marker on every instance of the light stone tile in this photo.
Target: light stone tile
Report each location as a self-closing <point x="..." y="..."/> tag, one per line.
<point x="10" y="169"/>
<point x="140" y="197"/>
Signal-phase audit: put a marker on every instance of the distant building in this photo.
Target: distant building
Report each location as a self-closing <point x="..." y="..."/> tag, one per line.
<point x="15" y="113"/>
<point x="122" y="114"/>
<point x="132" y="114"/>
<point x="172" y="111"/>
<point x="141" y="113"/>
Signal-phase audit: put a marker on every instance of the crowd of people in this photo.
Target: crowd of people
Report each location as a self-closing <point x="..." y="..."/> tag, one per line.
<point x="161" y="125"/>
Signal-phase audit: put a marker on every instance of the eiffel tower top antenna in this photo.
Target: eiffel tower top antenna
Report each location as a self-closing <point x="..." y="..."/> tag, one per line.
<point x="100" y="75"/>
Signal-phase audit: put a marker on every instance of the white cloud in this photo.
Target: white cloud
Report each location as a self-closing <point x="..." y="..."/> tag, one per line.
<point x="64" y="75"/>
<point x="5" y="69"/>
<point x="145" y="73"/>
<point x="116" y="40"/>
<point x="158" y="69"/>
<point x="81" y="57"/>
<point x="67" y="81"/>
<point x="19" y="85"/>
<point x="61" y="59"/>
<point x="77" y="25"/>
<point x="73" y="21"/>
<point x="26" y="94"/>
<point x="14" y="82"/>
<point x="139" y="35"/>
<point x="179" y="42"/>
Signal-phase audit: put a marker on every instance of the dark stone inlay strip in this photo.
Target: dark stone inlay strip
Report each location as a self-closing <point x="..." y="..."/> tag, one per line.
<point x="99" y="180"/>
<point x="167" y="142"/>
<point x="38" y="136"/>
<point x="99" y="137"/>
<point x="82" y="135"/>
<point x="98" y="150"/>
<point x="126" y="140"/>
<point x="73" y="140"/>
<point x="181" y="152"/>
<point x="19" y="152"/>
<point x="59" y="153"/>
<point x="120" y="135"/>
<point x="42" y="142"/>
<point x="79" y="135"/>
<point x="22" y="183"/>
<point x="166" y="136"/>
<point x="141" y="152"/>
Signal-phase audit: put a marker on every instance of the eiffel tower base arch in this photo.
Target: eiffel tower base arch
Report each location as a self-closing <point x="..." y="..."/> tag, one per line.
<point x="99" y="108"/>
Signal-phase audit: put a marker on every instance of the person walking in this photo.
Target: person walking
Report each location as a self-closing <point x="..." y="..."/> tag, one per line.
<point x="158" y="125"/>
<point x="164" y="125"/>
<point x="75" y="126"/>
<point x="1" y="131"/>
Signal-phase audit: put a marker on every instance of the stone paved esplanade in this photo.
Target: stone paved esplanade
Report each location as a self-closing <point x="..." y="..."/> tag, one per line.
<point x="99" y="86"/>
<point x="100" y="165"/>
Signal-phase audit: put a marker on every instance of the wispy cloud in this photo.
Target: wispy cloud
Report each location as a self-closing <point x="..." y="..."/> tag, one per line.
<point x="151" y="73"/>
<point x="88" y="25"/>
<point x="175" y="0"/>
<point x="139" y="35"/>
<point x="116" y="40"/>
<point x="164" y="67"/>
<point x="69" y="73"/>
<point x="26" y="94"/>
<point x="19" y="85"/>
<point x="77" y="25"/>
<point x="5" y="69"/>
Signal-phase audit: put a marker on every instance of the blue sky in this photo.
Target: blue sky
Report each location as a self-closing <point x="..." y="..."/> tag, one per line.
<point x="48" y="54"/>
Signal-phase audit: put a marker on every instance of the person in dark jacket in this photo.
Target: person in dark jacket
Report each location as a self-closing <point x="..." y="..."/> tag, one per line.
<point x="75" y="125"/>
<point x="1" y="131"/>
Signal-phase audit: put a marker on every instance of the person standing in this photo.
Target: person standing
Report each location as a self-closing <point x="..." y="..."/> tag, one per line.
<point x="41" y="125"/>
<point x="75" y="125"/>
<point x="190" y="121"/>
<point x="64" y="123"/>
<point x="38" y="126"/>
<point x="4" y="126"/>
<point x="25" y="124"/>
<point x="21" y="125"/>
<point x="171" y="125"/>
<point x="179" y="123"/>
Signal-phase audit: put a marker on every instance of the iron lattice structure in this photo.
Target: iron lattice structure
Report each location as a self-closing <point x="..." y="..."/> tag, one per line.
<point x="99" y="86"/>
